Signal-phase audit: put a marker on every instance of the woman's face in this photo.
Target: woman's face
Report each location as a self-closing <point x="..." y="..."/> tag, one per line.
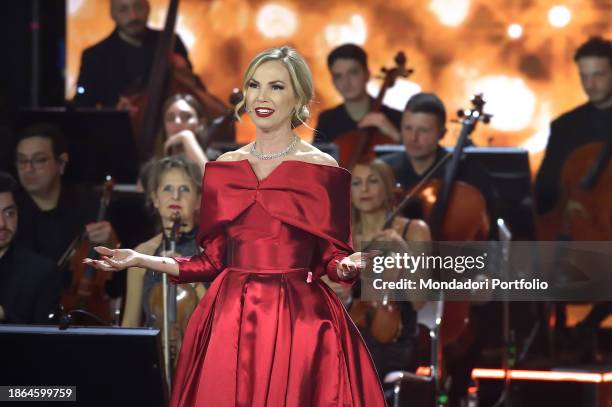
<point x="180" y="116"/>
<point x="176" y="193"/>
<point x="367" y="189"/>
<point x="270" y="98"/>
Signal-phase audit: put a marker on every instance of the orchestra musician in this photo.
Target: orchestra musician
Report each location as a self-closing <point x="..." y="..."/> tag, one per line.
<point x="122" y="61"/>
<point x="29" y="282"/>
<point x="373" y="199"/>
<point x="588" y="123"/>
<point x="53" y="213"/>
<point x="423" y="126"/>
<point x="348" y="66"/>
<point x="174" y="187"/>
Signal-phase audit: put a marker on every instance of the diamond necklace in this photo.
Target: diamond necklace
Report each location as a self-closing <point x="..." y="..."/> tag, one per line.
<point x="262" y="156"/>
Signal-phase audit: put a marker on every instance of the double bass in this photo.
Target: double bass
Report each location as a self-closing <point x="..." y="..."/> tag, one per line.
<point x="358" y="145"/>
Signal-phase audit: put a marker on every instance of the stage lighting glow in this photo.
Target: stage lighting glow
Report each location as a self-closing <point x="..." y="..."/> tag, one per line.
<point x="559" y="16"/>
<point x="509" y="100"/>
<point x="396" y="96"/>
<point x="355" y="32"/>
<point x="74" y="6"/>
<point x="450" y="12"/>
<point x="276" y="21"/>
<point x="537" y="142"/>
<point x="186" y="35"/>
<point x="515" y="31"/>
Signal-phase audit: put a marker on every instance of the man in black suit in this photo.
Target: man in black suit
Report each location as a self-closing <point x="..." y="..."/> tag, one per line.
<point x="29" y="283"/>
<point x="587" y="123"/>
<point x="121" y="63"/>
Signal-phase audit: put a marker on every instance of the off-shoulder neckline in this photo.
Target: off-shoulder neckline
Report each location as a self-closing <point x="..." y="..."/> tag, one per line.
<point x="248" y="163"/>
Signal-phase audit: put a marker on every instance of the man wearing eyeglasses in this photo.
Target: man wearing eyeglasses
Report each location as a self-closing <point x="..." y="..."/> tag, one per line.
<point x="52" y="213"/>
<point x="29" y="283"/>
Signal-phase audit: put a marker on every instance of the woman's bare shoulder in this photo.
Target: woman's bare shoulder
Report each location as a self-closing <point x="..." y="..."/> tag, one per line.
<point x="308" y="153"/>
<point x="235" y="155"/>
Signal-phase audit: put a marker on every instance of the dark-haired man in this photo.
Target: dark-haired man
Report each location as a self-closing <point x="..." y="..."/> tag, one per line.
<point x="591" y="121"/>
<point x="348" y="65"/>
<point x="122" y="62"/>
<point x="587" y="123"/>
<point x="423" y="126"/>
<point x="52" y="214"/>
<point x="29" y="283"/>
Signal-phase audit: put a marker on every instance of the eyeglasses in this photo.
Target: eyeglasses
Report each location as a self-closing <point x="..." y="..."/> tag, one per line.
<point x="36" y="162"/>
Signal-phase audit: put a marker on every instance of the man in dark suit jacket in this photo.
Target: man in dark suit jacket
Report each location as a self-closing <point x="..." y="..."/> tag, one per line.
<point x="590" y="122"/>
<point x="587" y="123"/>
<point x="29" y="283"/>
<point x="121" y="63"/>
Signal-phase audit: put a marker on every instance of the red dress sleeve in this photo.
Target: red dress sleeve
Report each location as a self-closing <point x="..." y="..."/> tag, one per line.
<point x="203" y="267"/>
<point x="330" y="253"/>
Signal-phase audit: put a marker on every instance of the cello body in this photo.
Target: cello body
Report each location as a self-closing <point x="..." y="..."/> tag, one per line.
<point x="583" y="212"/>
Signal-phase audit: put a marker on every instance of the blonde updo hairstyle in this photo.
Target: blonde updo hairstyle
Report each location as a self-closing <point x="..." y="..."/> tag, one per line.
<point x="300" y="75"/>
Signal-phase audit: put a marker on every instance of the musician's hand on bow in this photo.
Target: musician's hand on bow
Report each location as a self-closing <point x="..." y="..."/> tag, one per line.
<point x="380" y="121"/>
<point x="114" y="260"/>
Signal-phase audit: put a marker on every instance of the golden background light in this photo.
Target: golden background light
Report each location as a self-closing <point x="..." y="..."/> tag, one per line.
<point x="455" y="47"/>
<point x="515" y="31"/>
<point x="559" y="16"/>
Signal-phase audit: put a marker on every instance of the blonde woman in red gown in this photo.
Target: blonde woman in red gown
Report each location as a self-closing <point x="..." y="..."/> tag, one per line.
<point x="275" y="218"/>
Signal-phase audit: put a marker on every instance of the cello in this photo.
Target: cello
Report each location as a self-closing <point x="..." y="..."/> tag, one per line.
<point x="584" y="210"/>
<point x="455" y="211"/>
<point x="359" y="144"/>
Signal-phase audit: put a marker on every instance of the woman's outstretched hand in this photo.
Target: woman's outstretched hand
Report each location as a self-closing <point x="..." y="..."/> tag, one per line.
<point x="113" y="260"/>
<point x="351" y="266"/>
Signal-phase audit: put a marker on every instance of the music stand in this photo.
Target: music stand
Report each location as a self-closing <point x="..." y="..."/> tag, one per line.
<point x="108" y="366"/>
<point x="100" y="142"/>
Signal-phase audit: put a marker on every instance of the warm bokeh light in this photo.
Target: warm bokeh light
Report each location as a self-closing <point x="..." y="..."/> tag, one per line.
<point x="397" y="96"/>
<point x="509" y="99"/>
<point x="559" y="16"/>
<point x="450" y="12"/>
<point x="452" y="45"/>
<point x="74" y="6"/>
<point x="355" y="32"/>
<point x="276" y="21"/>
<point x="515" y="31"/>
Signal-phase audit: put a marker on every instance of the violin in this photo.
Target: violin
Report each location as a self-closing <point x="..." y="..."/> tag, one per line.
<point x="171" y="305"/>
<point x="87" y="291"/>
<point x="382" y="319"/>
<point x="358" y="145"/>
<point x="584" y="210"/>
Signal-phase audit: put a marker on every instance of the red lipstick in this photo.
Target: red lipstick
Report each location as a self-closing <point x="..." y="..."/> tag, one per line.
<point x="264" y="111"/>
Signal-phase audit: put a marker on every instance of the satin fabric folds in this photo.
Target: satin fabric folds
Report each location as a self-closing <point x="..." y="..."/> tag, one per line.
<point x="269" y="332"/>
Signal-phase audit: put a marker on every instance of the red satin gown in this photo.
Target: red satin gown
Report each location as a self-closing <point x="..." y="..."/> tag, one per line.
<point x="268" y="332"/>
